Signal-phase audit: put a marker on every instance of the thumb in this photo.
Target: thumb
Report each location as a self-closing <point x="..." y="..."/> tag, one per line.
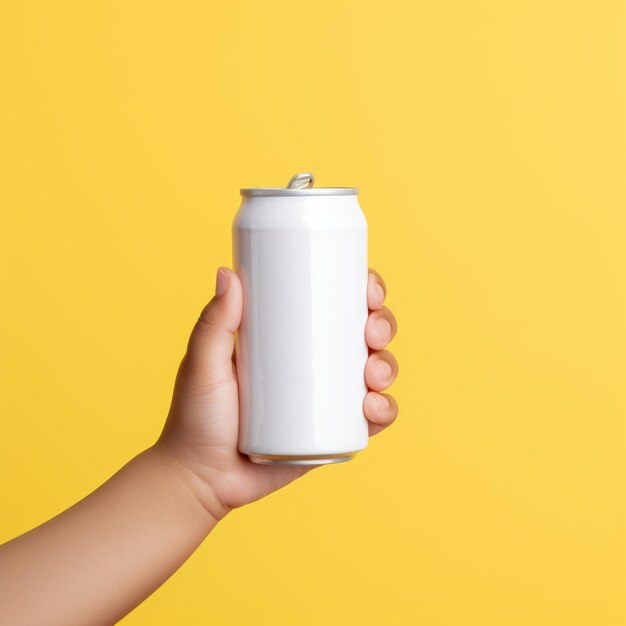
<point x="212" y="340"/>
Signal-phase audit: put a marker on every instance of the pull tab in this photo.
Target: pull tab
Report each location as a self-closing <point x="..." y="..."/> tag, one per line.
<point x="301" y="181"/>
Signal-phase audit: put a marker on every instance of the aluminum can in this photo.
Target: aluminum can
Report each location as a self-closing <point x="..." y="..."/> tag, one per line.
<point x="301" y="255"/>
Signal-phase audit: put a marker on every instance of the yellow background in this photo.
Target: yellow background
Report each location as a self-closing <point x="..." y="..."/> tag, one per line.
<point x="489" y="141"/>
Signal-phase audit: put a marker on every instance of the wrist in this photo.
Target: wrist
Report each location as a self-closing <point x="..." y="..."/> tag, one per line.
<point x="190" y="481"/>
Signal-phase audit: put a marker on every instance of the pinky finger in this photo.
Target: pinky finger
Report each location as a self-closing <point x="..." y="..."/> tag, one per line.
<point x="380" y="409"/>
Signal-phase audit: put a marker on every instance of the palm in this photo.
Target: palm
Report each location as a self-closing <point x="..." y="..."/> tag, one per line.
<point x="207" y="421"/>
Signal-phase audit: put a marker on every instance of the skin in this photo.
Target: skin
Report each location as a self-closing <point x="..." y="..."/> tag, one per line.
<point x="96" y="561"/>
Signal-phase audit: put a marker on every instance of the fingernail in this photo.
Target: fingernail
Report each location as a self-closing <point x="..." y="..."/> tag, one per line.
<point x="383" y="403"/>
<point x="385" y="369"/>
<point x="221" y="282"/>
<point x="384" y="328"/>
<point x="381" y="293"/>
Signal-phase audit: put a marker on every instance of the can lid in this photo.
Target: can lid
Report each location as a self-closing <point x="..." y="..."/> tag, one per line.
<point x="300" y="185"/>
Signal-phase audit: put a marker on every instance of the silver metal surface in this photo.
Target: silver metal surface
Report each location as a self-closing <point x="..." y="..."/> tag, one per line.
<point x="323" y="460"/>
<point x="315" y="191"/>
<point x="299" y="185"/>
<point x="301" y="181"/>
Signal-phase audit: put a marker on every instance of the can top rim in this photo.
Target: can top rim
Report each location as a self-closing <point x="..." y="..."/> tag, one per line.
<point x="313" y="191"/>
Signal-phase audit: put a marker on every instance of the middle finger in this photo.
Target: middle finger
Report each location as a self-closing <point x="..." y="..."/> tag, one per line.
<point x="381" y="370"/>
<point x="380" y="328"/>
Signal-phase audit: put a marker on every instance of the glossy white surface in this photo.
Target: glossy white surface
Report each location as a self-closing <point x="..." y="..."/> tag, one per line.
<point x="301" y="349"/>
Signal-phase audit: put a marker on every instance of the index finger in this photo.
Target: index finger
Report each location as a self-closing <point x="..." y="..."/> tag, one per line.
<point x="376" y="290"/>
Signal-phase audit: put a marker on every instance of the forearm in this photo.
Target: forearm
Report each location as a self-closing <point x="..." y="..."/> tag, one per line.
<point x="96" y="561"/>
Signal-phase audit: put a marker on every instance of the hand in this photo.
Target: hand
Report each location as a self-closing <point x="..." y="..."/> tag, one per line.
<point x="202" y="427"/>
<point x="140" y="525"/>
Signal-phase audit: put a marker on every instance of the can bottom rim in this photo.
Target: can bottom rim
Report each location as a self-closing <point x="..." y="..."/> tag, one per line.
<point x="282" y="459"/>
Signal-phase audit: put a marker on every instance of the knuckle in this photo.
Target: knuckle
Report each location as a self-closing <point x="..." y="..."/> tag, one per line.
<point x="208" y="319"/>
<point x="379" y="280"/>
<point x="389" y="316"/>
<point x="393" y="406"/>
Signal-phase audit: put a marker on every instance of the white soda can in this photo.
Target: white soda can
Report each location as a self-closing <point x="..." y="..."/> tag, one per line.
<point x="301" y="254"/>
